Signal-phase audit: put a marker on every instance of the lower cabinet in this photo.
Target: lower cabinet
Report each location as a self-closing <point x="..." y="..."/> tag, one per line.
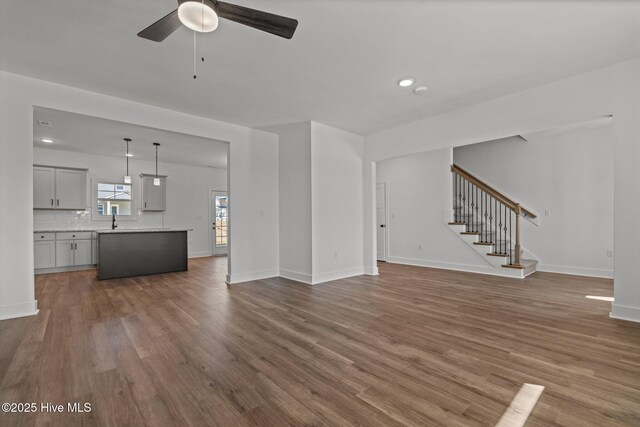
<point x="73" y="252"/>
<point x="64" y="253"/>
<point x="64" y="249"/>
<point x="44" y="254"/>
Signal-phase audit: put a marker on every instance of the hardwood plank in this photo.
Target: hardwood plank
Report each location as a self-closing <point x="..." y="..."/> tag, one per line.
<point x="413" y="346"/>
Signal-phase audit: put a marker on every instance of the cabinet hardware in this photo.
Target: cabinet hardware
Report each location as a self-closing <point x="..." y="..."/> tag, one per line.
<point x="58" y="202"/>
<point x="51" y="202"/>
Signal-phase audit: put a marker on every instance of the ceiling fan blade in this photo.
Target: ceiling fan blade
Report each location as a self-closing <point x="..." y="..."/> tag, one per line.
<point x="162" y="28"/>
<point x="274" y="24"/>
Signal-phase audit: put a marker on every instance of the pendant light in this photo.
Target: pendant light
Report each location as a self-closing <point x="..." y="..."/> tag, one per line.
<point x="127" y="177"/>
<point x="156" y="180"/>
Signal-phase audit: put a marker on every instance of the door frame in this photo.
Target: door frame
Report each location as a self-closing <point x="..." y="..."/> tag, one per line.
<point x="385" y="250"/>
<point x="212" y="215"/>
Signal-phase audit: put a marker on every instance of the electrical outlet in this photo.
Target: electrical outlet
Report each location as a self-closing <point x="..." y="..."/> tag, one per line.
<point x="547" y="213"/>
<point x="335" y="254"/>
<point x="419" y="247"/>
<point x="609" y="253"/>
<point x="261" y="212"/>
<point x="393" y="215"/>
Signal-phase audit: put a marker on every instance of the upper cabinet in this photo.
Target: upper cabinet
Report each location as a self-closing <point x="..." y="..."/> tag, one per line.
<point x="44" y="188"/>
<point x="59" y="188"/>
<point x="154" y="197"/>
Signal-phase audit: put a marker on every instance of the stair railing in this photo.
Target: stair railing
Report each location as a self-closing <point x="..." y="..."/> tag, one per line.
<point x="489" y="214"/>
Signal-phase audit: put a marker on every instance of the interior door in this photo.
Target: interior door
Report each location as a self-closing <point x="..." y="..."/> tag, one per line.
<point x="381" y="220"/>
<point x="220" y="222"/>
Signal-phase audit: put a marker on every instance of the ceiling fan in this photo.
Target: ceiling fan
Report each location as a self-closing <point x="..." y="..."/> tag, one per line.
<point x="202" y="16"/>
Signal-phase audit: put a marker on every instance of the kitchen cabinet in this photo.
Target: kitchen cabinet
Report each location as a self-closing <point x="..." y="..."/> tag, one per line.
<point x="44" y="254"/>
<point x="59" y="188"/>
<point x="154" y="198"/>
<point x="64" y="253"/>
<point x="44" y="188"/>
<point x="73" y="248"/>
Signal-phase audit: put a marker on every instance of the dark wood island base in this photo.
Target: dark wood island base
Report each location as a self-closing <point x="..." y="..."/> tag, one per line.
<point x="128" y="253"/>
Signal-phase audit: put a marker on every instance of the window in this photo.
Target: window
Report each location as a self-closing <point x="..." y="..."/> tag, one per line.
<point x="114" y="199"/>
<point x="222" y="223"/>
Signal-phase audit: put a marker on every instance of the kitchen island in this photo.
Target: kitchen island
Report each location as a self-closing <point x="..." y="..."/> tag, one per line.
<point x="138" y="252"/>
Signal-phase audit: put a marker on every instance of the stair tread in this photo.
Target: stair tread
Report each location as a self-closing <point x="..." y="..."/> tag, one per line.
<point x="524" y="263"/>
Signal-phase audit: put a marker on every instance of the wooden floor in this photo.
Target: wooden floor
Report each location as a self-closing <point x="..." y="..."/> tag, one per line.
<point x="413" y="346"/>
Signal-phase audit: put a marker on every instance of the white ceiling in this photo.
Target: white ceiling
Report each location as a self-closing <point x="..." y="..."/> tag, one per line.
<point x="93" y="135"/>
<point x="340" y="68"/>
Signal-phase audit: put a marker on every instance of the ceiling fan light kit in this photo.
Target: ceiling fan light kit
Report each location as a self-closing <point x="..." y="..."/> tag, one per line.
<point x="197" y="16"/>
<point x="202" y="16"/>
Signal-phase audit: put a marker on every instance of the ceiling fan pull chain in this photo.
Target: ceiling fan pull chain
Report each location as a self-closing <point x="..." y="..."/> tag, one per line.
<point x="202" y="20"/>
<point x="194" y="55"/>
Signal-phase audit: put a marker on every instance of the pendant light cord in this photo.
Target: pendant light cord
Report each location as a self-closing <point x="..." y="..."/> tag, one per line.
<point x="157" y="160"/>
<point x="127" y="156"/>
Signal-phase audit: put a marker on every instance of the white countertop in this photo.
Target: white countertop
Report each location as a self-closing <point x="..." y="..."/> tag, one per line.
<point x="110" y="231"/>
<point x="142" y="230"/>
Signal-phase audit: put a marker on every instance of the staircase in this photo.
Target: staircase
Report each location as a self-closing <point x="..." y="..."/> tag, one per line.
<point x="489" y="222"/>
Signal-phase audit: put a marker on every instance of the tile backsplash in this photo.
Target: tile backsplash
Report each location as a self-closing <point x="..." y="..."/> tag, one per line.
<point x="82" y="220"/>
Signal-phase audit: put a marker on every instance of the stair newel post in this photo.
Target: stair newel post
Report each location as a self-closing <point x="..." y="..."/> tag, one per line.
<point x="517" y="247"/>
<point x="454" y="180"/>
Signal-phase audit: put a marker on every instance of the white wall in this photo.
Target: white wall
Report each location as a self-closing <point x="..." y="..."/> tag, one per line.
<point x="568" y="175"/>
<point x="294" y="150"/>
<point x="320" y="202"/>
<point x="418" y="195"/>
<point x="187" y="196"/>
<point x="253" y="180"/>
<point x="612" y="90"/>
<point x="336" y="167"/>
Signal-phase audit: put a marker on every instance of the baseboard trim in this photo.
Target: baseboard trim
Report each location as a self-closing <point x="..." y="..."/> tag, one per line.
<point x="296" y="276"/>
<point x="14" y="311"/>
<point x="337" y="275"/>
<point x="251" y="276"/>
<point x="371" y="271"/>
<point x="200" y="254"/>
<point x="490" y="271"/>
<point x="65" y="269"/>
<point x="575" y="271"/>
<point x="625" y="312"/>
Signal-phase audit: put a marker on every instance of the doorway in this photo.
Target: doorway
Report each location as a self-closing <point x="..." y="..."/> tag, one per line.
<point x="381" y="220"/>
<point x="219" y="223"/>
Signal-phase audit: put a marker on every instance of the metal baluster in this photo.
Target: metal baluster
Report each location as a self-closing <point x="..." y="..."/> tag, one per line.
<point x="473" y="226"/>
<point x="505" y="229"/>
<point x="481" y="219"/>
<point x="477" y="210"/>
<point x="486" y="223"/>
<point x="500" y="225"/>
<point x="464" y="210"/>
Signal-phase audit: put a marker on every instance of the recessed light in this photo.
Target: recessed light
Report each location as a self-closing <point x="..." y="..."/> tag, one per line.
<point x="129" y="155"/>
<point x="420" y="89"/>
<point x="48" y="141"/>
<point x="406" y="82"/>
